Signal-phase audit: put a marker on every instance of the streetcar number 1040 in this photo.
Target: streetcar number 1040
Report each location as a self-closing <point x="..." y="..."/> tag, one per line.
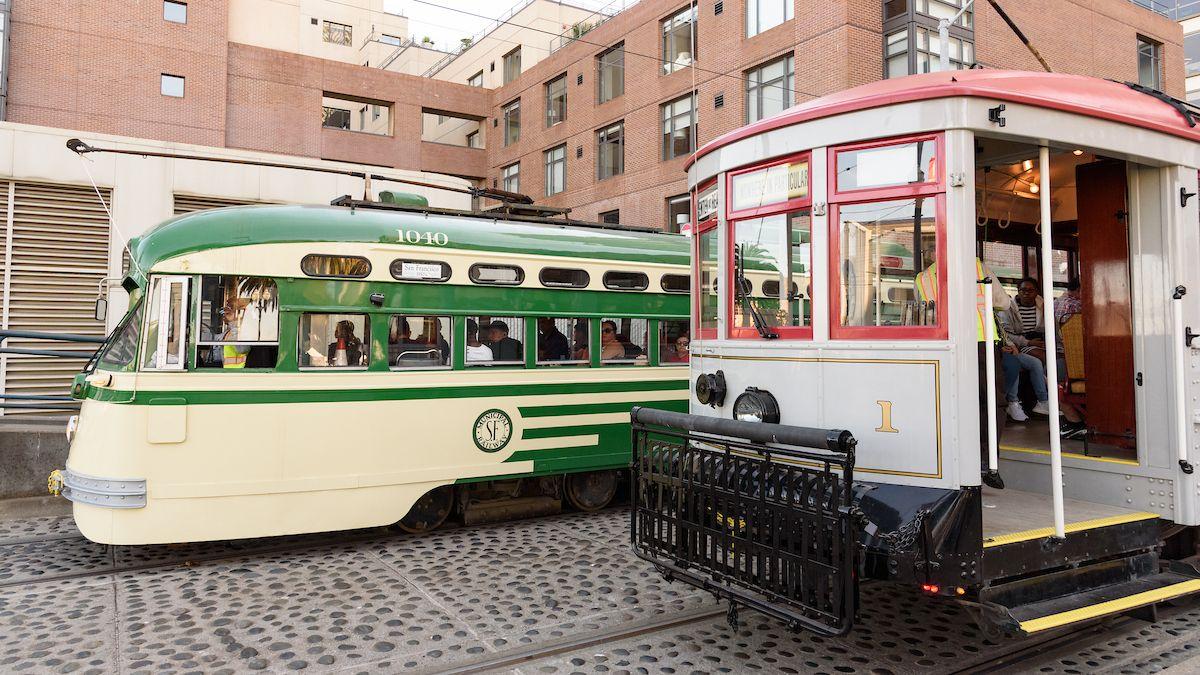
<point x="428" y="238"/>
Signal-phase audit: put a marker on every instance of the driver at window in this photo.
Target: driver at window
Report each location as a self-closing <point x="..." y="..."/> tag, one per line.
<point x="232" y="356"/>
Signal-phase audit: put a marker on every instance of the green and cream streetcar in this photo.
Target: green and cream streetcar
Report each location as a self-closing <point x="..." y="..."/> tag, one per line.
<point x="288" y="369"/>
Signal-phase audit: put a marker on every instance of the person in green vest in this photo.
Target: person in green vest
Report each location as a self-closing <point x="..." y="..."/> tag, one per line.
<point x="232" y="355"/>
<point x="927" y="289"/>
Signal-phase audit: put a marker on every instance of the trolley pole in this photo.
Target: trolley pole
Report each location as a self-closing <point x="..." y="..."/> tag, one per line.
<point x="1056" y="478"/>
<point x="944" y="36"/>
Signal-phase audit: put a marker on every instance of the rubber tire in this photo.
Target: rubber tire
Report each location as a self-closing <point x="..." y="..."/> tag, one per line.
<point x="429" y="512"/>
<point x="592" y="490"/>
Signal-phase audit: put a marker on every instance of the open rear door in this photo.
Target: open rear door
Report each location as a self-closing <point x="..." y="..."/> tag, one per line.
<point x="769" y="527"/>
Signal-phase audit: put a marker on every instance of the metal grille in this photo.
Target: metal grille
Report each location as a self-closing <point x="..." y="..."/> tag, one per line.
<point x="189" y="203"/>
<point x="767" y="527"/>
<point x="56" y="257"/>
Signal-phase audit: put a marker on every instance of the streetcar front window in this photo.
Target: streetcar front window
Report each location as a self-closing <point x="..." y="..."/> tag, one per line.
<point x="120" y="352"/>
<point x="238" y="320"/>
<point x="888" y="267"/>
<point x="334" y="340"/>
<point x="166" y="323"/>
<point x="706" y="257"/>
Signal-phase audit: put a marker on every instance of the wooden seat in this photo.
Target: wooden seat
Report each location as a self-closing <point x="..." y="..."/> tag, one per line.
<point x="1071" y="334"/>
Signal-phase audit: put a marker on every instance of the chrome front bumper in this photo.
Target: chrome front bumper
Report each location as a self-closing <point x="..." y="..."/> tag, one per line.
<point x="114" y="493"/>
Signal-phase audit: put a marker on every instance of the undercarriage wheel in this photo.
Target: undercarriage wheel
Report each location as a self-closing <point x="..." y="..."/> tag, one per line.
<point x="430" y="511"/>
<point x="591" y="491"/>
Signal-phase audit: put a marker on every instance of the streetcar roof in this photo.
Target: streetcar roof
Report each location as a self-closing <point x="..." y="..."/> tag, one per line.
<point x="1089" y="96"/>
<point x="271" y="224"/>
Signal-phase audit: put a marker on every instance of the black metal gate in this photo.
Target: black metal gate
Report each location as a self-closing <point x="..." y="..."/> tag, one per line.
<point x="768" y="527"/>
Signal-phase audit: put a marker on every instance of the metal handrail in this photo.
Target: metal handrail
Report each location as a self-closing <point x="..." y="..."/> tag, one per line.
<point x="45" y="401"/>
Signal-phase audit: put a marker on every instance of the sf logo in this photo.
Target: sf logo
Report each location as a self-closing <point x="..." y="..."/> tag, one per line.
<point x="493" y="430"/>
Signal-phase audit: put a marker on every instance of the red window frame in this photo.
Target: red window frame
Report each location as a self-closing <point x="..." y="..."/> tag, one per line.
<point x="899" y="190"/>
<point x="789" y="205"/>
<point x="932" y="189"/>
<point x="699" y="227"/>
<point x="733" y="217"/>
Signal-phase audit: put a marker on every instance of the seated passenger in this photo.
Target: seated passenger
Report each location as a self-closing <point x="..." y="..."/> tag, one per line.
<point x="1068" y="303"/>
<point x="232" y="356"/>
<point x="346" y="349"/>
<point x="505" y="348"/>
<point x="579" y="347"/>
<point x="477" y="352"/>
<point x="678" y="352"/>
<point x="552" y="344"/>
<point x="610" y="347"/>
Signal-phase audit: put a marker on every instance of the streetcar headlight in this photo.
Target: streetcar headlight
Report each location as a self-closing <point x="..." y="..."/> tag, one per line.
<point x="710" y="389"/>
<point x="756" y="405"/>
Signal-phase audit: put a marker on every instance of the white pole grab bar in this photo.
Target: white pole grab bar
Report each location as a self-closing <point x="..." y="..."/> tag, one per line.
<point x="989" y="333"/>
<point x="1183" y="347"/>
<point x="1056" y="480"/>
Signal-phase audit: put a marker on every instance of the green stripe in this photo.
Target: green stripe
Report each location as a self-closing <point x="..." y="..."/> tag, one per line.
<point x="593" y="408"/>
<point x="359" y="395"/>
<point x="577" y="430"/>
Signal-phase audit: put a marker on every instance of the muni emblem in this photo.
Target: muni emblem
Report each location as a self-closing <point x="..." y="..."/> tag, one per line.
<point x="493" y="429"/>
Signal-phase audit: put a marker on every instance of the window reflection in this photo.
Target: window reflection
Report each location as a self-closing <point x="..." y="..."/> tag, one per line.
<point x="889" y="263"/>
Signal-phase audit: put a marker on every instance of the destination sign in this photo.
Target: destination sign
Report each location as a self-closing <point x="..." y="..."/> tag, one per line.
<point x="772" y="185"/>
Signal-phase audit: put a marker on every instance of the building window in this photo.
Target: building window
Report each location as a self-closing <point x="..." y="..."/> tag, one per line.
<point x="511" y="175"/>
<point x="335" y="118"/>
<point x="769" y="88"/>
<point x="895" y="54"/>
<point x="337" y="33"/>
<point x="945" y="9"/>
<point x="556" y="170"/>
<point x="678" y="40"/>
<point x="512" y="65"/>
<point x="556" y="100"/>
<point x="171" y="85"/>
<point x="927" y="52"/>
<point x="610" y="73"/>
<point x="679" y="127"/>
<point x="512" y="122"/>
<point x="374" y="112"/>
<point x="390" y="40"/>
<point x="1149" y="63"/>
<point x="475" y="80"/>
<point x="679" y="212"/>
<point x="473" y="140"/>
<point x="762" y="15"/>
<point x="611" y="217"/>
<point x="175" y="12"/>
<point x="610" y="151"/>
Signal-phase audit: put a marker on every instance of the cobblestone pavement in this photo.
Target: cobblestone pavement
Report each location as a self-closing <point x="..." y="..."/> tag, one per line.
<point x="456" y="598"/>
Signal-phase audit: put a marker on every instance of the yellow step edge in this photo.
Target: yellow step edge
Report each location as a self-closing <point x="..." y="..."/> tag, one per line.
<point x="1111" y="606"/>
<point x="1026" y="535"/>
<point x="1072" y="455"/>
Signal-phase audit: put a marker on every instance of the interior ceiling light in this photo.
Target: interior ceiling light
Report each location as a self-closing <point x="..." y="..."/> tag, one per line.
<point x="1077" y="152"/>
<point x="1034" y="188"/>
<point x="1027" y="165"/>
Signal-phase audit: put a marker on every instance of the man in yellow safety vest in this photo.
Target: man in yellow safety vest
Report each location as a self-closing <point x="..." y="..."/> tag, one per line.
<point x="927" y="290"/>
<point x="232" y="356"/>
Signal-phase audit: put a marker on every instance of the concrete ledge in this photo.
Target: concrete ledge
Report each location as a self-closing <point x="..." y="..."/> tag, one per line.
<point x="29" y="451"/>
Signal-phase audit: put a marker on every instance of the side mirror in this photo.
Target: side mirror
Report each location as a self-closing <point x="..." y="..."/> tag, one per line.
<point x="101" y="309"/>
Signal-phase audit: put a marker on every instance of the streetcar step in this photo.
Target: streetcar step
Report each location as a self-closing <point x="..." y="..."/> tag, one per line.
<point x="1103" y="601"/>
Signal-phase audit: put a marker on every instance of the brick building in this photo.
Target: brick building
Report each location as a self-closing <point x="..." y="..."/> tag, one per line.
<point x="591" y="103"/>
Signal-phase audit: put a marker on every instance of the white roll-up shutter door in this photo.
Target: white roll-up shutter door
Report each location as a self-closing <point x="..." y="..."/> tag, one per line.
<point x="56" y="243"/>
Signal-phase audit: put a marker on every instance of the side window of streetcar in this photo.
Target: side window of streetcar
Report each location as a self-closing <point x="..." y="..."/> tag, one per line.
<point x="238" y="322"/>
<point x="495" y="341"/>
<point x="562" y="341"/>
<point x="336" y="266"/>
<point x="334" y="340"/>
<point x="166" y="324"/>
<point x="419" y="341"/>
<point x="121" y="349"/>
<point x="624" y="340"/>
<point x="673" y="342"/>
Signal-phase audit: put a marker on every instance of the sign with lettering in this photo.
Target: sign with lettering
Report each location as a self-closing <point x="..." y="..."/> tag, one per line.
<point x="773" y="185"/>
<point x="706" y="203"/>
<point x="420" y="270"/>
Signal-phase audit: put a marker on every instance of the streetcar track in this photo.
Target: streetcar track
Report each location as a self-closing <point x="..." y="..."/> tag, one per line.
<point x="513" y="658"/>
